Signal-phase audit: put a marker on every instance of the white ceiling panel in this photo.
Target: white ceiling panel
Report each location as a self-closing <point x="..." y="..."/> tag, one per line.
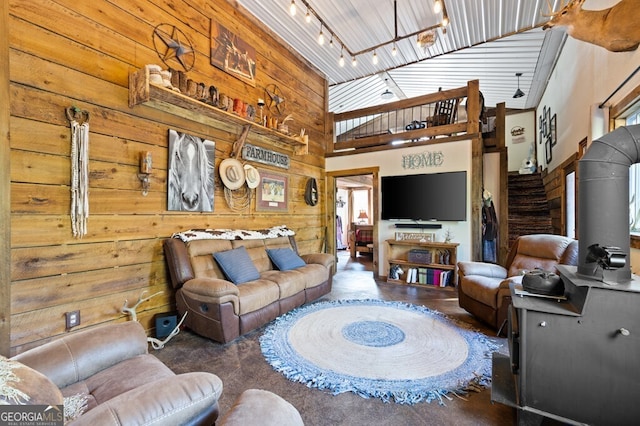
<point x="487" y="40"/>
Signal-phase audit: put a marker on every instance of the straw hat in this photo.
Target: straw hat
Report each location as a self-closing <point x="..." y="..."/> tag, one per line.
<point x="232" y="173"/>
<point x="252" y="175"/>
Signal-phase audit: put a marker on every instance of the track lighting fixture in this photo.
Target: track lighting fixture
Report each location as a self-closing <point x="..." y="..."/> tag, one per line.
<point x="439" y="6"/>
<point x="519" y="93"/>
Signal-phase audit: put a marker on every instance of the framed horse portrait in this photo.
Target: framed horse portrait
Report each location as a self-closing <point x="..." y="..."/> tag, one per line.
<point x="191" y="168"/>
<point x="272" y="193"/>
<point x="232" y="54"/>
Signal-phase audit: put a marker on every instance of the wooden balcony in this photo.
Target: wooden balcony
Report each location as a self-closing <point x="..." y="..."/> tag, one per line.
<point x="421" y="120"/>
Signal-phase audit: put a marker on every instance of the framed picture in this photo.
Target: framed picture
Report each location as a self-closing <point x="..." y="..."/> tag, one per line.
<point x="190" y="180"/>
<point x="548" y="155"/>
<point x="553" y="135"/>
<point x="232" y="54"/>
<point x="272" y="193"/>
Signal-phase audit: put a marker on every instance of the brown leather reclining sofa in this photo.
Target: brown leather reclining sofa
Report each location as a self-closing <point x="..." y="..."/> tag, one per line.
<point x="221" y="310"/>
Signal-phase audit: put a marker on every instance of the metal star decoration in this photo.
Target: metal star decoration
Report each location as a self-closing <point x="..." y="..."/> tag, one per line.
<point x="171" y="44"/>
<point x="276" y="101"/>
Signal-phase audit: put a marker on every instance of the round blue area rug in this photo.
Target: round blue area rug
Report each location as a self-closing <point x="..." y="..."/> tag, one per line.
<point x="394" y="351"/>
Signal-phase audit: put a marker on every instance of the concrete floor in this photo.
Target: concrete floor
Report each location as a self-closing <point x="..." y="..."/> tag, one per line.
<point x="241" y="366"/>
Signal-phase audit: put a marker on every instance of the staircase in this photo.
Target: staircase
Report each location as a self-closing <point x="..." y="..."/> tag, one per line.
<point x="529" y="211"/>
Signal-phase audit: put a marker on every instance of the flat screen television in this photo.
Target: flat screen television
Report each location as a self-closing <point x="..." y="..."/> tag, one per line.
<point x="428" y="197"/>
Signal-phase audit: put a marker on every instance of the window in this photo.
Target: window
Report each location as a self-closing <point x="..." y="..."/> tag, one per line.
<point x="634" y="184"/>
<point x="361" y="204"/>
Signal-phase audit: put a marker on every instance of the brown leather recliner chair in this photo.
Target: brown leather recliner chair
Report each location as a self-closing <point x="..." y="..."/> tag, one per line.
<point x="110" y="367"/>
<point x="483" y="288"/>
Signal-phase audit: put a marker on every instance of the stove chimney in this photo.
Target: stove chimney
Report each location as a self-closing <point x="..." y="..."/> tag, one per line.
<point x="603" y="215"/>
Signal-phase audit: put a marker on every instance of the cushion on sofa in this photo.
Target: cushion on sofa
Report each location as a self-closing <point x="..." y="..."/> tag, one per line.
<point x="285" y="259"/>
<point x="237" y="265"/>
<point x="109" y="383"/>
<point x="289" y="282"/>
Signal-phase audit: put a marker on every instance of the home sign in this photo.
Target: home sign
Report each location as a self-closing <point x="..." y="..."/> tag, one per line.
<point x="422" y="160"/>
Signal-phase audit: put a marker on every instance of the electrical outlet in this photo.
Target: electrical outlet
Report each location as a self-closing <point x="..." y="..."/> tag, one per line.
<point x="72" y="319"/>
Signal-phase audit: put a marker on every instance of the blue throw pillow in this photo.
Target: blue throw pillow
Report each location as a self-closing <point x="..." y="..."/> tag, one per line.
<point x="237" y="265"/>
<point x="285" y="259"/>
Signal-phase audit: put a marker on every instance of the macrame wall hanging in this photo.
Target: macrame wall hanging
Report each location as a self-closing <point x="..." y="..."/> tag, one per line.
<point x="79" y="121"/>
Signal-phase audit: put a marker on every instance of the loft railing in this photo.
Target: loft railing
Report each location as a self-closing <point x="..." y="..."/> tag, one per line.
<point x="425" y="118"/>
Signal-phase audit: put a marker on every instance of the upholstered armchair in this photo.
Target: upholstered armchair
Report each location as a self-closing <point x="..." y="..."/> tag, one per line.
<point x="483" y="288"/>
<point x="120" y="383"/>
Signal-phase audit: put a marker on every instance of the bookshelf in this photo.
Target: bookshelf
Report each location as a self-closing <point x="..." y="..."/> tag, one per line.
<point x="397" y="253"/>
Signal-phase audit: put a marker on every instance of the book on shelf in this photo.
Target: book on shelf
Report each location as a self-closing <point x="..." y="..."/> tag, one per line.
<point x="422" y="275"/>
<point x="428" y="276"/>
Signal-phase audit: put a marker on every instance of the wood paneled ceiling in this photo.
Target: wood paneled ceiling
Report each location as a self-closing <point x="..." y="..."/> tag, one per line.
<point x="487" y="40"/>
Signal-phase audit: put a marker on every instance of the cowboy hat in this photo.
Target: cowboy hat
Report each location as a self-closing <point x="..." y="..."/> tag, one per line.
<point x="252" y="175"/>
<point x="232" y="173"/>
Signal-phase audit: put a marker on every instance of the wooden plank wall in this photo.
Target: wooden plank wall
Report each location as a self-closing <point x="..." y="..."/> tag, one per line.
<point x="5" y="187"/>
<point x="68" y="53"/>
<point x="555" y="187"/>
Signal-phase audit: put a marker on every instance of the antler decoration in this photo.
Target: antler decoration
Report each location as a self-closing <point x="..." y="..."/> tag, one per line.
<point x="132" y="310"/>
<point x="156" y="343"/>
<point x="159" y="344"/>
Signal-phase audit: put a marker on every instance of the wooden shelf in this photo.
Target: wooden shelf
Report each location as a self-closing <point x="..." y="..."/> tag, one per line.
<point x="143" y="92"/>
<point x="398" y="254"/>
<point x="423" y="265"/>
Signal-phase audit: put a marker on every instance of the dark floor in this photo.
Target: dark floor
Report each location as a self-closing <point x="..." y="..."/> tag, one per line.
<point x="241" y="366"/>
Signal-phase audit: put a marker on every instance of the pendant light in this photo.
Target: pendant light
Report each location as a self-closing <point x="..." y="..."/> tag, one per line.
<point x="387" y="94"/>
<point x="519" y="93"/>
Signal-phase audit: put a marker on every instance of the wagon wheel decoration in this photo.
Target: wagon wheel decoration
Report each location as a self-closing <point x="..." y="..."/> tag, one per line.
<point x="172" y="46"/>
<point x="275" y="101"/>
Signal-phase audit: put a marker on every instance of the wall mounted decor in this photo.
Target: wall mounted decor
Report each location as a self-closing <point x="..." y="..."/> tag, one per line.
<point x="173" y="47"/>
<point x="191" y="170"/>
<point x="275" y="100"/>
<point x="79" y="122"/>
<point x="423" y="160"/>
<point x="548" y="132"/>
<point x="265" y="156"/>
<point x="272" y="193"/>
<point x="146" y="166"/>
<point x="232" y="54"/>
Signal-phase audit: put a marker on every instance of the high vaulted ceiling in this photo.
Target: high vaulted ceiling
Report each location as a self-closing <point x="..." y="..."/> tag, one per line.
<point x="486" y="40"/>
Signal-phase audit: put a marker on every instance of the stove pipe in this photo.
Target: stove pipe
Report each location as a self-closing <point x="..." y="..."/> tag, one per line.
<point x="603" y="192"/>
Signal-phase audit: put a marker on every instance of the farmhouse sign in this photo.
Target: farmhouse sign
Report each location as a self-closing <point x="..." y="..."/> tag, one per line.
<point x="422" y="160"/>
<point x="265" y="156"/>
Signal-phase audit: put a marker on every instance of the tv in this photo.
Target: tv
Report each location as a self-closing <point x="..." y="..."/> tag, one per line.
<point x="428" y="197"/>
